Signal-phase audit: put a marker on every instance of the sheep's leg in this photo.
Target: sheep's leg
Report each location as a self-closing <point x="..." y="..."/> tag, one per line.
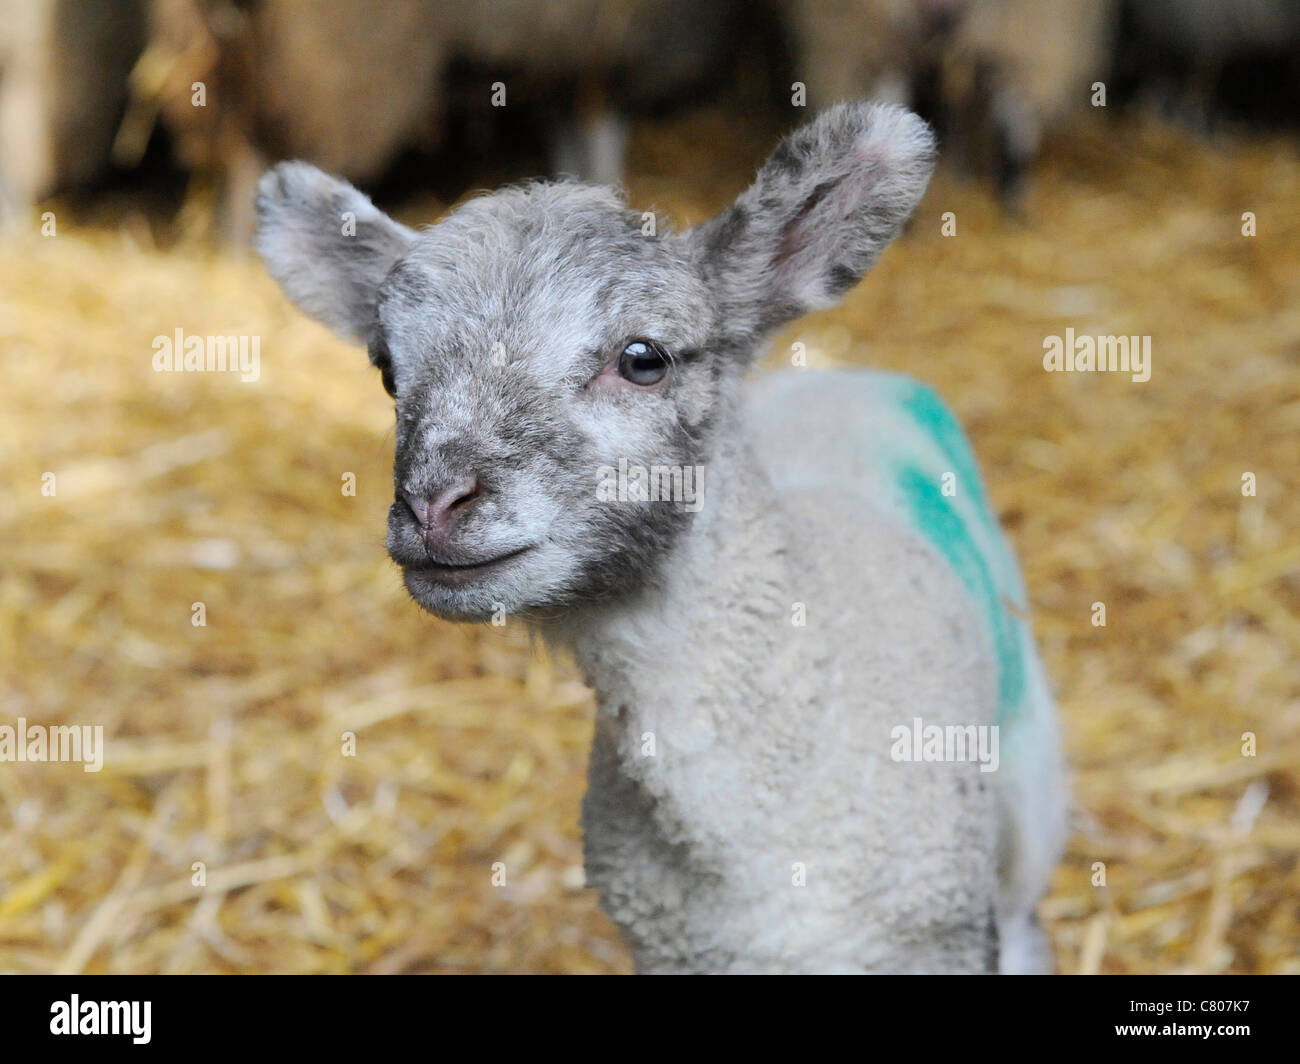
<point x="590" y="144"/>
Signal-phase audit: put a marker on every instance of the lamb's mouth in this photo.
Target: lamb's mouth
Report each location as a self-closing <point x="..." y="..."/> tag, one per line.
<point x="457" y="575"/>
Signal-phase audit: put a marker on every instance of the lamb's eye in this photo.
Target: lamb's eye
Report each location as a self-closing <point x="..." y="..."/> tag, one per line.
<point x="643" y="362"/>
<point x="380" y="359"/>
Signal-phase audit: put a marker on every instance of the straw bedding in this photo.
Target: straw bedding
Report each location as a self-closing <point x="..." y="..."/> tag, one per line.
<point x="226" y="741"/>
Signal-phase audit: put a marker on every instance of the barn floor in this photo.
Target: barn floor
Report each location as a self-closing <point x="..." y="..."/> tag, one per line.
<point x="226" y="739"/>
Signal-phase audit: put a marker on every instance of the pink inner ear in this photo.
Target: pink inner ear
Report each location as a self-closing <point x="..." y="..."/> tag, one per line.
<point x="811" y="239"/>
<point x="794" y="236"/>
<point x="831" y="204"/>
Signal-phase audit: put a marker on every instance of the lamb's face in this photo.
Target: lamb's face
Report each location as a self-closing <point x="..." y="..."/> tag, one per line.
<point x="539" y="344"/>
<point x="561" y="372"/>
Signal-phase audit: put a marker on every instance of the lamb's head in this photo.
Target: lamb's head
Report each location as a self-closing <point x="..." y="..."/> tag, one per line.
<point x="551" y="352"/>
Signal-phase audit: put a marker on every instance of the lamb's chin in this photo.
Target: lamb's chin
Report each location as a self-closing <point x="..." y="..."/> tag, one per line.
<point x="490" y="597"/>
<point x="454" y="601"/>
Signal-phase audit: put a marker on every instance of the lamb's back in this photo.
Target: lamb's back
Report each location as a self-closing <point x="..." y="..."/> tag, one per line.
<point x="888" y="442"/>
<point x="883" y="446"/>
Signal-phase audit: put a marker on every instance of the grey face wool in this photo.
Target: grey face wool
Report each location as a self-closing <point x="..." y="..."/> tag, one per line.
<point x="492" y="325"/>
<point x="566" y="377"/>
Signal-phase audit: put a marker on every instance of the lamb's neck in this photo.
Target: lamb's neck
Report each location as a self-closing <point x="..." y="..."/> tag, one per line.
<point x="693" y="642"/>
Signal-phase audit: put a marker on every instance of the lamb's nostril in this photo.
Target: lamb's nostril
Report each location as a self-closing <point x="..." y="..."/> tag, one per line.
<point x="436" y="513"/>
<point x="465" y="498"/>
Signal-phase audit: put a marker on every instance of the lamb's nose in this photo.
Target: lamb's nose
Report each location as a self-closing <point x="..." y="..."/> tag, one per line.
<point x="436" y="515"/>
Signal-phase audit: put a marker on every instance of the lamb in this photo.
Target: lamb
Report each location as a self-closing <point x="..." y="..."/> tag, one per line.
<point x="754" y="656"/>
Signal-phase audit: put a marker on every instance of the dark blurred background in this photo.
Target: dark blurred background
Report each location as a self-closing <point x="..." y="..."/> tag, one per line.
<point x="438" y="96"/>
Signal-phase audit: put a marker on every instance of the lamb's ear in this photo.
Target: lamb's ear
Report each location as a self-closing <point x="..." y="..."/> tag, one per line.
<point x="327" y="244"/>
<point x="822" y="208"/>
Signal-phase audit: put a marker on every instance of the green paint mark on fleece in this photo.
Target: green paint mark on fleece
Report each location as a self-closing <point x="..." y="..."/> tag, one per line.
<point x="941" y="524"/>
<point x="970" y="551"/>
<point x="925" y="407"/>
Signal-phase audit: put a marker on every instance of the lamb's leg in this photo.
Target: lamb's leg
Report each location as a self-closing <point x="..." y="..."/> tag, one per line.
<point x="1026" y="949"/>
<point x="969" y="947"/>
